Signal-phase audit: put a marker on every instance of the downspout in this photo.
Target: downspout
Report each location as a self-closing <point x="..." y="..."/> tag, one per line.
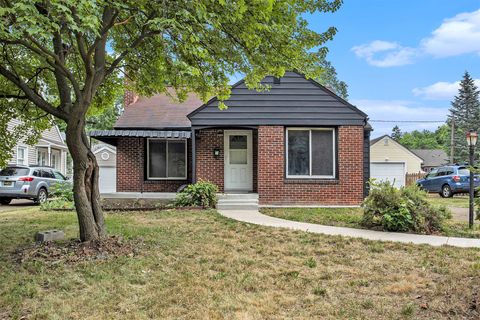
<point x="194" y="172"/>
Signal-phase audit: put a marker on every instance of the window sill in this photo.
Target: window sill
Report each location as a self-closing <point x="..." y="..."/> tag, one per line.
<point x="163" y="180"/>
<point x="312" y="181"/>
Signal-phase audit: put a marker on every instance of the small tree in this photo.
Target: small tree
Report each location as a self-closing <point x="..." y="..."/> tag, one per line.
<point x="64" y="58"/>
<point x="465" y="112"/>
<point x="329" y="79"/>
<point x="396" y="133"/>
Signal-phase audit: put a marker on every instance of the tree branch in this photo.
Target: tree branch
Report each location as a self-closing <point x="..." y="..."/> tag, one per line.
<point x="32" y="95"/>
<point x="61" y="80"/>
<point x="42" y="51"/>
<point x="11" y="96"/>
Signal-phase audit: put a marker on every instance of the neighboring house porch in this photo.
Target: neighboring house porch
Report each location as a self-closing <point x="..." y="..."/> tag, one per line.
<point x="50" y="150"/>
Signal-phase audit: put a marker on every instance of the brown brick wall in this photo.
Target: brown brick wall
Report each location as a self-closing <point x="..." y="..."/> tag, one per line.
<point x="131" y="169"/>
<point x="209" y="167"/>
<point x="274" y="189"/>
<point x="212" y="169"/>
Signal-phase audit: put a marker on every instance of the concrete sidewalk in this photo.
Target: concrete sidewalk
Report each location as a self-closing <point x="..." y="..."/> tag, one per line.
<point x="255" y="217"/>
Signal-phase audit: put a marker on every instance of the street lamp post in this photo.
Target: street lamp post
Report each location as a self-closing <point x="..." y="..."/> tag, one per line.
<point x="472" y="137"/>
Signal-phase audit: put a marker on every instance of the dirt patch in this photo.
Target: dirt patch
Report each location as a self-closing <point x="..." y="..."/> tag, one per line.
<point x="74" y="251"/>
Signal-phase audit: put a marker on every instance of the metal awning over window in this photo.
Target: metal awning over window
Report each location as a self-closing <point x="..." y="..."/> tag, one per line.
<point x="111" y="136"/>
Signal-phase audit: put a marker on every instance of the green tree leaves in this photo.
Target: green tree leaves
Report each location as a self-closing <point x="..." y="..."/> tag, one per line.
<point x="424" y="139"/>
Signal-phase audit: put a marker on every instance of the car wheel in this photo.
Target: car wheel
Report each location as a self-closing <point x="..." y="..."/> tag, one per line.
<point x="446" y="191"/>
<point x="5" y="201"/>
<point x="41" y="196"/>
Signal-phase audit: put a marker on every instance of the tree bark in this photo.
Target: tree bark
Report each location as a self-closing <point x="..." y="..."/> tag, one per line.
<point x="85" y="182"/>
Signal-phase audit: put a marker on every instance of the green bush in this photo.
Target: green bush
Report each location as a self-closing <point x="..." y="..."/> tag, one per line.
<point x="60" y="198"/>
<point x="405" y="209"/>
<point x="201" y="194"/>
<point x="62" y="191"/>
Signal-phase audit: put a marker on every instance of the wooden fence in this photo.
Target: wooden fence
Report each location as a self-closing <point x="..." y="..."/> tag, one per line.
<point x="411" y="178"/>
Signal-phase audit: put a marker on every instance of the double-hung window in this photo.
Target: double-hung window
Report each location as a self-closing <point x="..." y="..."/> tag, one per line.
<point x="42" y="156"/>
<point x="166" y="159"/>
<point x="311" y="153"/>
<point x="21" y="155"/>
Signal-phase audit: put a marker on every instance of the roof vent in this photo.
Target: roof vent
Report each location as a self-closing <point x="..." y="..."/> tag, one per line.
<point x="276" y="80"/>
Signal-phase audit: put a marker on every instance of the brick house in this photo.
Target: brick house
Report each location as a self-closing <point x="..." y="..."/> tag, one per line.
<point x="296" y="144"/>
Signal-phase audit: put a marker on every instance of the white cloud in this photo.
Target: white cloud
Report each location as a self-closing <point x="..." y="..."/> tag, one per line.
<point x="398" y="111"/>
<point x="385" y="54"/>
<point x="440" y="90"/>
<point x="455" y="36"/>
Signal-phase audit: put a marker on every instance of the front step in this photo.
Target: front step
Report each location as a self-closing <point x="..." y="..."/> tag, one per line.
<point x="242" y="201"/>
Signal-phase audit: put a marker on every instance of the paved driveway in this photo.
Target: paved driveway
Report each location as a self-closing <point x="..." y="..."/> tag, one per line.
<point x="17" y="204"/>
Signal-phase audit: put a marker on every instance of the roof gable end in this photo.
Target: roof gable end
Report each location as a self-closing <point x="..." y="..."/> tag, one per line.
<point x="294" y="101"/>
<point x="381" y="138"/>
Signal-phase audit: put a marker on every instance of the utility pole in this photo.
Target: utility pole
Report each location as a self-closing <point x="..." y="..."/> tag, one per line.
<point x="452" y="140"/>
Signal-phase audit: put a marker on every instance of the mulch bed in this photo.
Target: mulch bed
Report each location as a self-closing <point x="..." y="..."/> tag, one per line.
<point x="73" y="251"/>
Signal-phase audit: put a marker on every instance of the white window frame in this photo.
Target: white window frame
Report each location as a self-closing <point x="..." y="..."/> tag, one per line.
<point x="58" y="153"/>
<point x="334" y="160"/>
<point x="39" y="150"/>
<point x="166" y="160"/>
<point x="25" y="155"/>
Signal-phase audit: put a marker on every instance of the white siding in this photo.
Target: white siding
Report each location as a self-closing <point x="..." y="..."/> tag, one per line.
<point x="51" y="134"/>
<point x="387" y="150"/>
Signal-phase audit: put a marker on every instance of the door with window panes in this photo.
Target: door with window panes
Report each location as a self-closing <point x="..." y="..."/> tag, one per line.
<point x="238" y="173"/>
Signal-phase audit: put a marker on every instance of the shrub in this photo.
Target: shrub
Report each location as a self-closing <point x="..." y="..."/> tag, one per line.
<point x="201" y="194"/>
<point x="61" y="198"/>
<point x="62" y="191"/>
<point x="405" y="209"/>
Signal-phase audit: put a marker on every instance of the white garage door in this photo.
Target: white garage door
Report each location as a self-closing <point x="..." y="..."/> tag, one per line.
<point x="389" y="171"/>
<point x="108" y="179"/>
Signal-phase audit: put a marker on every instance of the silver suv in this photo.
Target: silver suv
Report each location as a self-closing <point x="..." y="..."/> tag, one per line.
<point x="23" y="182"/>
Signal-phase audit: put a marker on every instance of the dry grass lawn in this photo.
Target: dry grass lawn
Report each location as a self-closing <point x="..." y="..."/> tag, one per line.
<point x="199" y="265"/>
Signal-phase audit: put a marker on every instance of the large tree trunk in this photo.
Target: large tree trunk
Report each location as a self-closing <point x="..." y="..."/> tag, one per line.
<point x="85" y="183"/>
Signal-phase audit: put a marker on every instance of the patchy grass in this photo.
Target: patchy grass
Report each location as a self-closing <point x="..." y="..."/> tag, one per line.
<point x="457" y="201"/>
<point x="199" y="265"/>
<point x="351" y="217"/>
<point x="340" y="217"/>
<point x="460" y="229"/>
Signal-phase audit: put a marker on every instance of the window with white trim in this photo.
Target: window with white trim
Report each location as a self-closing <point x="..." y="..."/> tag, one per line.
<point x="42" y="156"/>
<point x="22" y="155"/>
<point x="166" y="159"/>
<point x="310" y="153"/>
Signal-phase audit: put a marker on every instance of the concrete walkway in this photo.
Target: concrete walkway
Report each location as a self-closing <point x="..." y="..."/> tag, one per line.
<point x="255" y="217"/>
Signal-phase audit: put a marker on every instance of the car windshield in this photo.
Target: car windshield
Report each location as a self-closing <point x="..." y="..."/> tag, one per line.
<point x="13" y="171"/>
<point x="463" y="172"/>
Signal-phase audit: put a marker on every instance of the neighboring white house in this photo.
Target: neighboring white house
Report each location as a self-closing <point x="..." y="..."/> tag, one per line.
<point x="391" y="161"/>
<point x="107" y="161"/>
<point x="50" y="150"/>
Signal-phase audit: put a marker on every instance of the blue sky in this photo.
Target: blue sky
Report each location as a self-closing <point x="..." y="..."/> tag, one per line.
<point x="402" y="59"/>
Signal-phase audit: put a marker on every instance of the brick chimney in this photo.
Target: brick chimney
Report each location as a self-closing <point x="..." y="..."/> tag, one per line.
<point x="129" y="97"/>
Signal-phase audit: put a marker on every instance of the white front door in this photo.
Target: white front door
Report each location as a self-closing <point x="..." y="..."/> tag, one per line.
<point x="238" y="160"/>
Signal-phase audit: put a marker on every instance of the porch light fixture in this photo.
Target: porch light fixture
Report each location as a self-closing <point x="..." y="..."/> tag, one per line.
<point x="472" y="138"/>
<point x="216" y="152"/>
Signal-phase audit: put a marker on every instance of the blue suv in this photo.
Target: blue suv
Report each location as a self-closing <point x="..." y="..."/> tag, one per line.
<point x="448" y="180"/>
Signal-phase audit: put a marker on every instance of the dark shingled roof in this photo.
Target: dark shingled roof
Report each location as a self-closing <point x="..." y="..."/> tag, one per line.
<point x="433" y="157"/>
<point x="158" y="112"/>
